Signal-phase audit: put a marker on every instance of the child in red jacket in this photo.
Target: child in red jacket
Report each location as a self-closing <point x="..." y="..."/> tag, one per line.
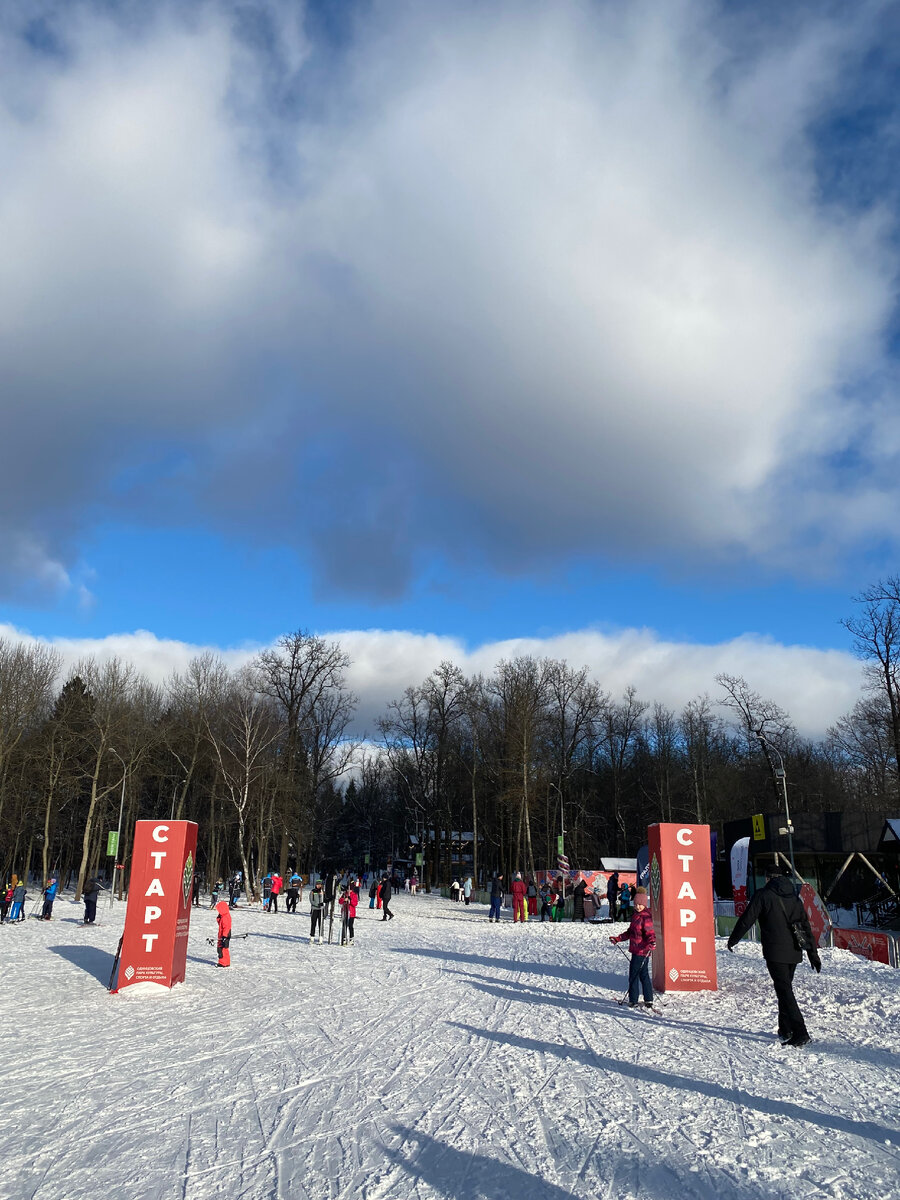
<point x="224" y="939"/>
<point x="641" y="943"/>
<point x="348" y="901"/>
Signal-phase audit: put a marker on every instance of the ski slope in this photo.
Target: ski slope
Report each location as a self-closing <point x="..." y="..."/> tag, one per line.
<point x="440" y="1056"/>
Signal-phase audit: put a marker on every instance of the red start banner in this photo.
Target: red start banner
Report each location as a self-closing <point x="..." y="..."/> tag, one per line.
<point x="158" y="917"/>
<point x="681" y="903"/>
<point x="867" y="943"/>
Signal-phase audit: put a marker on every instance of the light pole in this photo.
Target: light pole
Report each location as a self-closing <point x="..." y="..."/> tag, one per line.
<point x="112" y="885"/>
<point x="780" y="774"/>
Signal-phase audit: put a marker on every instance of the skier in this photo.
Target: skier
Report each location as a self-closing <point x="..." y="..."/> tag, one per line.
<point x="641" y="943"/>
<point x="316" y="911"/>
<point x="777" y="907"/>
<point x="195" y="889"/>
<point x="234" y="888"/>
<point x="612" y="895"/>
<point x="386" y="893"/>
<point x="214" y="895"/>
<point x="290" y="900"/>
<point x="559" y="907"/>
<point x="454" y="890"/>
<point x="224" y="939"/>
<point x="547" y="899"/>
<point x="49" y="897"/>
<point x="373" y="892"/>
<point x="267" y="890"/>
<point x="496" y="897"/>
<point x="578" y="898"/>
<point x="16" y="912"/>
<point x="348" y="902"/>
<point x="520" y="909"/>
<point x="90" y="894"/>
<point x="277" y="885"/>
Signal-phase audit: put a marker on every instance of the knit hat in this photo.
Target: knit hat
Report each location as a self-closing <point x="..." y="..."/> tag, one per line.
<point x="640" y="893"/>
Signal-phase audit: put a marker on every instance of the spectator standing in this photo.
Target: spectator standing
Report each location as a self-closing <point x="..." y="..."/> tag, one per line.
<point x="496" y="898"/>
<point x="520" y="908"/>
<point x="386" y="893"/>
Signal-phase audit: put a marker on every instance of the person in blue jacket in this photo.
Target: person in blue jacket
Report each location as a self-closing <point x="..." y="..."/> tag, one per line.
<point x="16" y="913"/>
<point x="49" y="897"/>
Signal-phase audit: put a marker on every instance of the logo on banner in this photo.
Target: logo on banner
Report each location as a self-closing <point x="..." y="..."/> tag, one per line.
<point x="655" y="881"/>
<point x="129" y="972"/>
<point x="673" y="975"/>
<point x="187" y="877"/>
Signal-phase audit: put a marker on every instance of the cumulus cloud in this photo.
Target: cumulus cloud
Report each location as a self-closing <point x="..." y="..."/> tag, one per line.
<point x="495" y="281"/>
<point x="815" y="686"/>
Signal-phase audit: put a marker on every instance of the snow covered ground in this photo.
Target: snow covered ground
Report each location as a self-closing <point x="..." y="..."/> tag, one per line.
<point x="438" y="1057"/>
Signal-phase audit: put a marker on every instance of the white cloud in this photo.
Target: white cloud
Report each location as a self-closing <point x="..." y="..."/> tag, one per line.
<point x="815" y="686"/>
<point x="509" y="280"/>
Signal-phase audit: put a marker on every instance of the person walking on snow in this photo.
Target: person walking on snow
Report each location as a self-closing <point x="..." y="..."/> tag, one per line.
<point x="467" y="889"/>
<point x="496" y="898"/>
<point x="520" y="909"/>
<point x="348" y="902"/>
<point x="612" y="895"/>
<point x="386" y="893"/>
<point x="223" y="941"/>
<point x="49" y="897"/>
<point x="16" y="913"/>
<point x="454" y="890"/>
<point x="267" y="890"/>
<point x="277" y="885"/>
<point x="90" y="894"/>
<point x="777" y="907"/>
<point x="316" y="912"/>
<point x="641" y="943"/>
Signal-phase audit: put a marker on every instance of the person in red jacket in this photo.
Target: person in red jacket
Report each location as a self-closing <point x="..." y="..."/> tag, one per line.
<point x="641" y="943"/>
<point x="224" y="940"/>
<point x="348" y="901"/>
<point x="277" y="885"/>
<point x="520" y="910"/>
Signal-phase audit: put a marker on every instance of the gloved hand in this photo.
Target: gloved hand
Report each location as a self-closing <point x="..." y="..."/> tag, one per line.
<point x="814" y="961"/>
<point x="731" y="947"/>
<point x="613" y="940"/>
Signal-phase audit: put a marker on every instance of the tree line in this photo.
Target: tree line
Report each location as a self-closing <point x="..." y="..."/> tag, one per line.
<point x="261" y="759"/>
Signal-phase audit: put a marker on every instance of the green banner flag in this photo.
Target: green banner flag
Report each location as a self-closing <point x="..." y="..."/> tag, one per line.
<point x="559" y="844"/>
<point x="112" y="844"/>
<point x="419" y="860"/>
<point x="366" y="862"/>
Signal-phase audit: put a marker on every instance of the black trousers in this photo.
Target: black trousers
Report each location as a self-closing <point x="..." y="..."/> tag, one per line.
<point x="387" y="914"/>
<point x="790" y="1018"/>
<point x="316" y="922"/>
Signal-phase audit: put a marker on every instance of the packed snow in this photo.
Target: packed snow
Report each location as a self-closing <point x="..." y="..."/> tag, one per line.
<point x="440" y="1056"/>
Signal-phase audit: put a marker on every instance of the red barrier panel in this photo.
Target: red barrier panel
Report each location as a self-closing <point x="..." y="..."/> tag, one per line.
<point x="681" y="902"/>
<point x="864" y="942"/>
<point x="158" y="917"/>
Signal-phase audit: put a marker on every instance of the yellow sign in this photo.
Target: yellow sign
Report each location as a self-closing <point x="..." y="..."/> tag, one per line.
<point x="759" y="827"/>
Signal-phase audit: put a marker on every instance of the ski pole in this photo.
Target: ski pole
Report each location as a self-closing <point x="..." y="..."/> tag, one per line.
<point x="115" y="966"/>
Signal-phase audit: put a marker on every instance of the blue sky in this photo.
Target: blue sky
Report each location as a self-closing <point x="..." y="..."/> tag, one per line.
<point x="484" y="320"/>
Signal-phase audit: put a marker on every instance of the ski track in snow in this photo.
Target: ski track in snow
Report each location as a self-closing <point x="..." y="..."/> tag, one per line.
<point x="440" y="1056"/>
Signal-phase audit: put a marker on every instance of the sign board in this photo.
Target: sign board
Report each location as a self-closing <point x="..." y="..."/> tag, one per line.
<point x="158" y="916"/>
<point x="681" y="903"/>
<point x="366" y="860"/>
<point x="420" y="859"/>
<point x="739" y="853"/>
<point x="560" y="846"/>
<point x="112" y="843"/>
<point x="759" y="827"/>
<point x="867" y="943"/>
<point x="819" y="920"/>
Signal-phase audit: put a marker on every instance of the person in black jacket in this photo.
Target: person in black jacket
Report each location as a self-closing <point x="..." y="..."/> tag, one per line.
<point x="386" y="893"/>
<point x="578" y="898"/>
<point x="776" y="907"/>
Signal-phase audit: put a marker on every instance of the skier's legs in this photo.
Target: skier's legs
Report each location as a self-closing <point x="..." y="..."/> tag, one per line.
<point x="634" y="977"/>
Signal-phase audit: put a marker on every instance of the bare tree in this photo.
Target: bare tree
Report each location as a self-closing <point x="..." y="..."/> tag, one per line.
<point x="243" y="729"/>
<point x="27" y="676"/>
<point x="876" y="640"/>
